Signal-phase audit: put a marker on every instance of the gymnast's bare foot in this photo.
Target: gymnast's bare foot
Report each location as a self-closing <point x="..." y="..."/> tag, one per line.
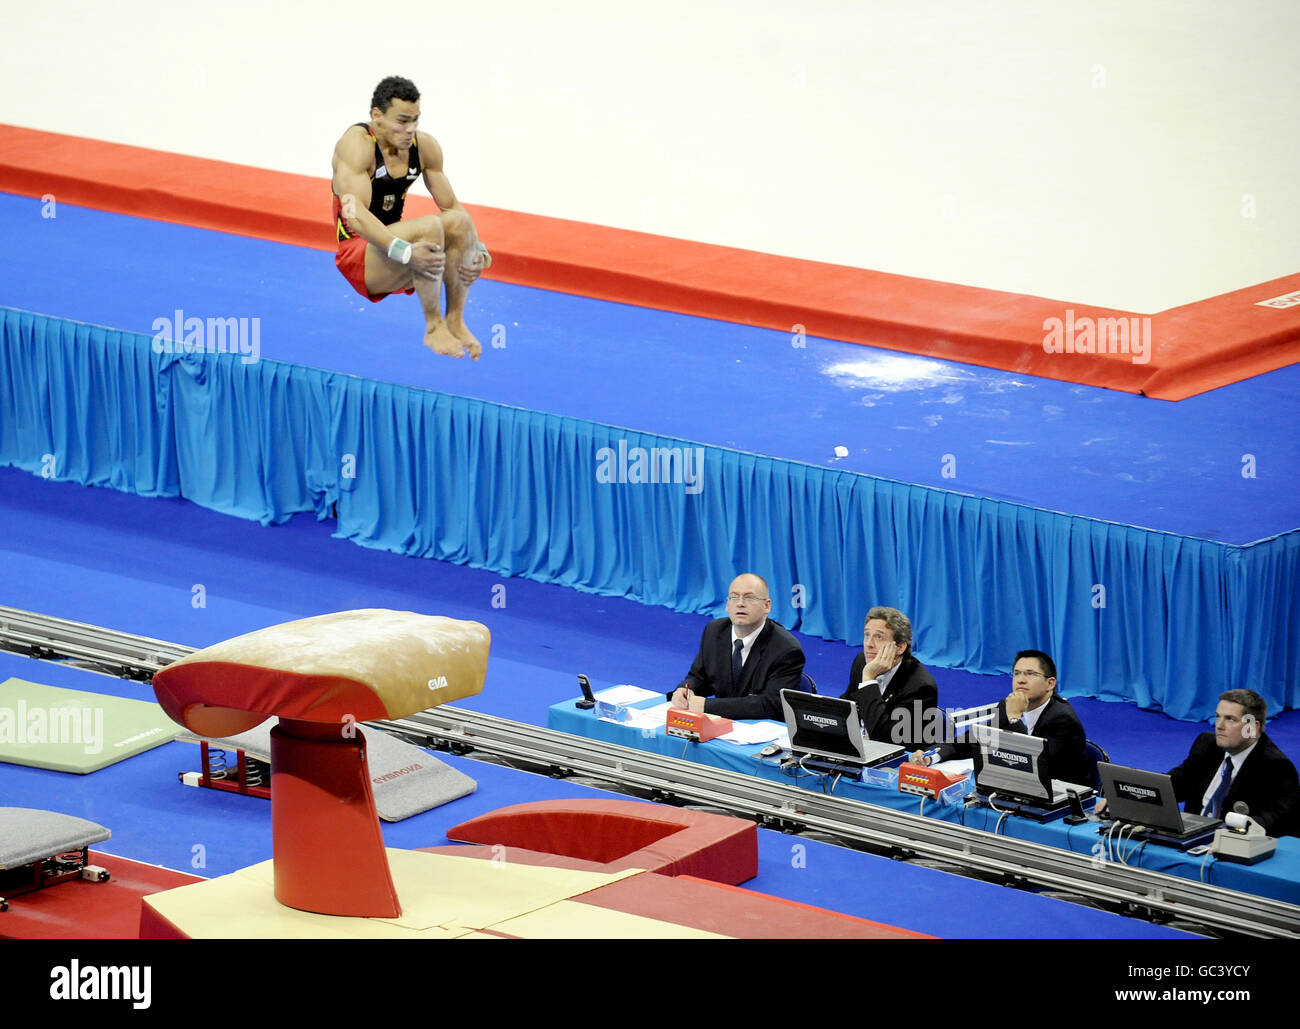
<point x="440" y="339"/>
<point x="472" y="346"/>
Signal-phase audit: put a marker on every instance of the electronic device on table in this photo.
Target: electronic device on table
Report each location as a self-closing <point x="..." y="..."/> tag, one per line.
<point x="695" y="725"/>
<point x="924" y="781"/>
<point x="826" y="735"/>
<point x="1014" y="767"/>
<point x="1137" y="797"/>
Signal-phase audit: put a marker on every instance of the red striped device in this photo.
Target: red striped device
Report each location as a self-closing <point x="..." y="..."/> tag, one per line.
<point x="695" y="725"/>
<point x="927" y="782"/>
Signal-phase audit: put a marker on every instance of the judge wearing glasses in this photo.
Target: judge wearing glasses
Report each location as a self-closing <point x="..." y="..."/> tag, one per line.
<point x="745" y="659"/>
<point x="1034" y="707"/>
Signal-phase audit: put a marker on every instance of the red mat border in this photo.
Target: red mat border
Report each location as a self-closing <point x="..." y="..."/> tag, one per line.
<point x="79" y="910"/>
<point x="1198" y="347"/>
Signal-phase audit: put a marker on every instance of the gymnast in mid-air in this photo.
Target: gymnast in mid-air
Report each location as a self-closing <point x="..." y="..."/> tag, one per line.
<point x="378" y="253"/>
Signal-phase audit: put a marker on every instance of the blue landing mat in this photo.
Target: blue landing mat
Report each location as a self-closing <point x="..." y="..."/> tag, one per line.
<point x="1053" y="445"/>
<point x="157" y="820"/>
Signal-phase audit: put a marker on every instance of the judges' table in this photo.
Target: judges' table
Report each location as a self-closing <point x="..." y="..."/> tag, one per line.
<point x="1276" y="877"/>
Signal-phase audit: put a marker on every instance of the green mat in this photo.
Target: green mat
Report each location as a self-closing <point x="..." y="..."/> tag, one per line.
<point x="73" y="731"/>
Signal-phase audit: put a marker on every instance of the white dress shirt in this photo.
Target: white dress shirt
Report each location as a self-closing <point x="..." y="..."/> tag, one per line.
<point x="748" y="640"/>
<point x="1217" y="778"/>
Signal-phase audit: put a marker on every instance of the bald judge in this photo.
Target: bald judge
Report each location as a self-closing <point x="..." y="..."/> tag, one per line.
<point x="745" y="659"/>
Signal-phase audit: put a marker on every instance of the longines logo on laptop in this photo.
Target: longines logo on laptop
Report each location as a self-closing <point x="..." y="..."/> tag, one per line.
<point x="1009" y="760"/>
<point x="817" y="721"/>
<point x="1141" y="794"/>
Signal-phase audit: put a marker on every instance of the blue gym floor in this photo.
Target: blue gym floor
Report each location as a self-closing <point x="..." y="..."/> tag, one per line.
<point x="133" y="564"/>
<point x="1054" y="445"/>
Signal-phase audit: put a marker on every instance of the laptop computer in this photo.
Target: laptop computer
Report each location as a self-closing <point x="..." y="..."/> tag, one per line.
<point x="1013" y="765"/>
<point x="828" y="728"/>
<point x="1147" y="798"/>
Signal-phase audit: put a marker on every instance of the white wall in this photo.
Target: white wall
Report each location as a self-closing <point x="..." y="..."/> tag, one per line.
<point x="1100" y="151"/>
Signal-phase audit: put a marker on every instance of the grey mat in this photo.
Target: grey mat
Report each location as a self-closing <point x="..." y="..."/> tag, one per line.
<point x="28" y="835"/>
<point x="404" y="779"/>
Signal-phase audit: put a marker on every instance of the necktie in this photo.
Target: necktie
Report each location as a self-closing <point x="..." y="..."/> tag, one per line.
<point x="737" y="663"/>
<point x="1215" y="807"/>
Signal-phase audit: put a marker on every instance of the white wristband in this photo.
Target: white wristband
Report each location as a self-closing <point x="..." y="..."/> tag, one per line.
<point x="400" y="250"/>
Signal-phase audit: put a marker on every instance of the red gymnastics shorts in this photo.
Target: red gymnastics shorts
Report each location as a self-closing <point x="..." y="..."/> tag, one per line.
<point x="350" y="259"/>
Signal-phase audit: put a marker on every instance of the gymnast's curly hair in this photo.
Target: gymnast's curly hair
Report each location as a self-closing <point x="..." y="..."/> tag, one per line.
<point x="394" y="88"/>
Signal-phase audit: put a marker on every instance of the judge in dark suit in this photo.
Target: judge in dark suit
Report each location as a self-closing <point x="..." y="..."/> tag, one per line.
<point x="896" y="696"/>
<point x="1035" y="708"/>
<point x="1258" y="773"/>
<point x="745" y="659"/>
